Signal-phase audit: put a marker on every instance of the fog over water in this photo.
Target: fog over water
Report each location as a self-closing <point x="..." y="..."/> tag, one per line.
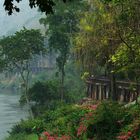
<point x="10" y="112"/>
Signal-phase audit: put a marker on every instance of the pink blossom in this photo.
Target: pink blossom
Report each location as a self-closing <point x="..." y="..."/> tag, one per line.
<point x="40" y="138"/>
<point x="65" y="138"/>
<point x="129" y="133"/>
<point x="81" y="129"/>
<point x="123" y="137"/>
<point x="93" y="107"/>
<point x="46" y="134"/>
<point x="51" y="138"/>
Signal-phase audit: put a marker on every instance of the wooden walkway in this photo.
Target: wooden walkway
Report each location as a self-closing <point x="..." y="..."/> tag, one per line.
<point x="99" y="89"/>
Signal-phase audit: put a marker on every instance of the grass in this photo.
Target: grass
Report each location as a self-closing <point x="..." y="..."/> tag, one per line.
<point x="22" y="136"/>
<point x="32" y="137"/>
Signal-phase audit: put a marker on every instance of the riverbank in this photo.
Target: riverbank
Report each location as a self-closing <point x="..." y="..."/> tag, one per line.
<point x="11" y="112"/>
<point x="95" y="120"/>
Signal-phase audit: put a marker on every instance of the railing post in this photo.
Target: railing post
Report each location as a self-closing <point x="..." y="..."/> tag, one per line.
<point x="107" y="92"/>
<point x="99" y="89"/>
<point x="93" y="92"/>
<point x="100" y="92"/>
<point x="122" y="95"/>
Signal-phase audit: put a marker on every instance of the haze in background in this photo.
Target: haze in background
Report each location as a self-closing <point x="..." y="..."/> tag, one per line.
<point x="27" y="17"/>
<point x="9" y="104"/>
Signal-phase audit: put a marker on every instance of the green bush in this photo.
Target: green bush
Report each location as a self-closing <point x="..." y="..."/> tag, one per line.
<point x="105" y="125"/>
<point x="60" y="121"/>
<point x="131" y="129"/>
<point x="63" y="120"/>
<point x="19" y="136"/>
<point x="22" y="136"/>
<point x="29" y="126"/>
<point x="101" y="121"/>
<point x="43" y="92"/>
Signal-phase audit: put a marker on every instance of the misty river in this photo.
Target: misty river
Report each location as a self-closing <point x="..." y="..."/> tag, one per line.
<point x="10" y="112"/>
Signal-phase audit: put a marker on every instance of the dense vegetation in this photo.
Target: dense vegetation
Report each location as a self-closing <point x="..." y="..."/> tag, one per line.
<point x="99" y="121"/>
<point x="97" y="37"/>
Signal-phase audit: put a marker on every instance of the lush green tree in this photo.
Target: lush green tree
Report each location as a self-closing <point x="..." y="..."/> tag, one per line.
<point x="97" y="40"/>
<point x="94" y="42"/>
<point x="106" y="30"/>
<point x="18" y="51"/>
<point x="126" y="58"/>
<point x="61" y="26"/>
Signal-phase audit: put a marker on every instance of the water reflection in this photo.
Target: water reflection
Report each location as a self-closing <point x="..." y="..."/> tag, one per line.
<point x="10" y="112"/>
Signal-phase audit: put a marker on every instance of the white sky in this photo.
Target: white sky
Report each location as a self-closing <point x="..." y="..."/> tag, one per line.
<point x="15" y="22"/>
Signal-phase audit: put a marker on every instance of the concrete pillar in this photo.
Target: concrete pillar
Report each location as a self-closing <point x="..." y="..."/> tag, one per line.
<point x="100" y="92"/>
<point x="107" y="91"/>
<point x="97" y="91"/>
<point x="122" y="95"/>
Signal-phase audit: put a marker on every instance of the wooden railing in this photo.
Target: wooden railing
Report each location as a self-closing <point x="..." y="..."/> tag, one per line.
<point x="100" y="89"/>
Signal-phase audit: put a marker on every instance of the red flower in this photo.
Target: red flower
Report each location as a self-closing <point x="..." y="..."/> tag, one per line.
<point x="82" y="118"/>
<point x="90" y="114"/>
<point x="92" y="107"/>
<point x="46" y="134"/>
<point x="51" y="138"/>
<point x="123" y="137"/>
<point x="81" y="129"/>
<point x="129" y="133"/>
<point x="40" y="138"/>
<point x="65" y="138"/>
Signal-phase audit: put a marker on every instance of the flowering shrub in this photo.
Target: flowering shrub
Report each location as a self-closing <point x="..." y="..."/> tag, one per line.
<point x="92" y="107"/>
<point x="132" y="133"/>
<point x="86" y="120"/>
<point x="124" y="136"/>
<point x="101" y="121"/>
<point x="131" y="130"/>
<point x="80" y="116"/>
<point x="82" y="129"/>
<point x="98" y="121"/>
<point x="47" y="136"/>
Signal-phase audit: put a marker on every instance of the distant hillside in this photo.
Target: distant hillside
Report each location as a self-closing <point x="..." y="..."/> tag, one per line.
<point x="27" y="17"/>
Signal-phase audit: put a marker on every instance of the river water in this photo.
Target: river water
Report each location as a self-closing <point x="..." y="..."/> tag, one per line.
<point x="10" y="112"/>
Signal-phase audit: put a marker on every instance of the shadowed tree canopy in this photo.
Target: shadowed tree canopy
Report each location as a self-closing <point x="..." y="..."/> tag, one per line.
<point x="44" y="5"/>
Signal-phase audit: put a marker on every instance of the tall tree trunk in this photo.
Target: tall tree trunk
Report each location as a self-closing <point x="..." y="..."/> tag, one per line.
<point x="137" y="89"/>
<point x="113" y="94"/>
<point x="25" y="81"/>
<point x="62" y="84"/>
<point x="113" y="87"/>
